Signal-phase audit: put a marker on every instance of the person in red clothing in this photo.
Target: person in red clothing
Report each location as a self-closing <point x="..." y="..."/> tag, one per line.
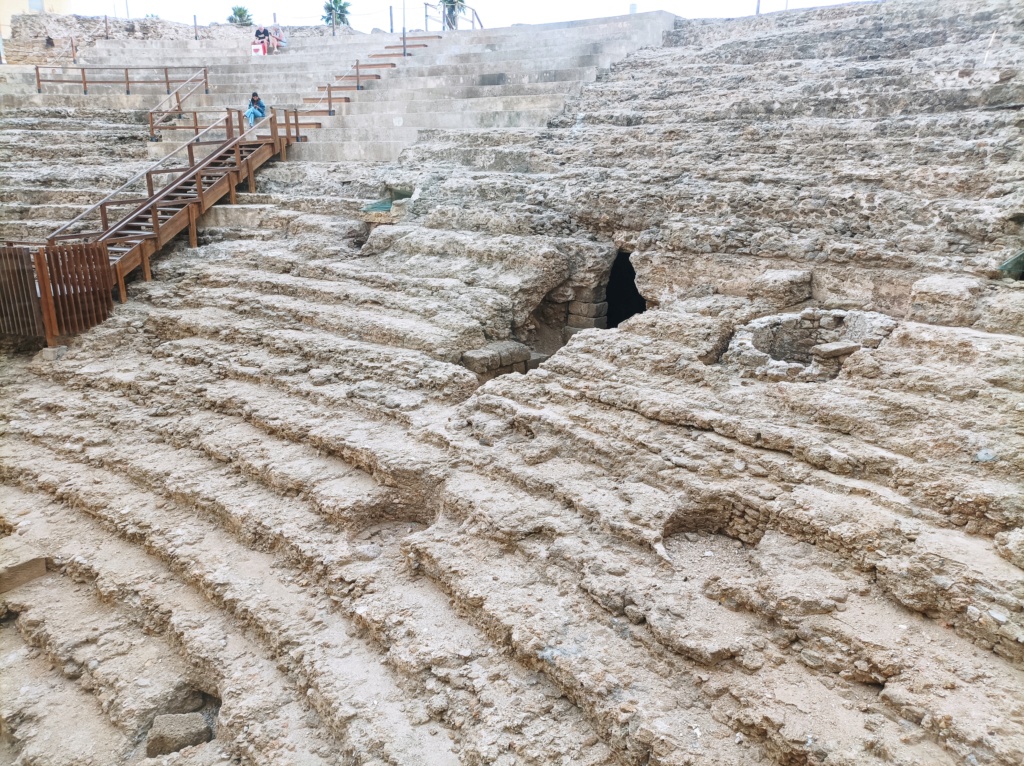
<point x="264" y="38"/>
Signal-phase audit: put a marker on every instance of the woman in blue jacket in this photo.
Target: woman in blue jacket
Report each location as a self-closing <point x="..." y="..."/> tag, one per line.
<point x="256" y="109"/>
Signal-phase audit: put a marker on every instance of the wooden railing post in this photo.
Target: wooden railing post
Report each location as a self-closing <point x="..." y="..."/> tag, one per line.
<point x="167" y="80"/>
<point x="149" y="183"/>
<point x="85" y="84"/>
<point x="274" y="135"/>
<point x="103" y="217"/>
<point x="152" y="128"/>
<point x="193" y="239"/>
<point x="156" y="220"/>
<point x="195" y="123"/>
<point x="46" y="298"/>
<point x="229" y="125"/>
<point x="241" y="123"/>
<point x="297" y="136"/>
<point x="39" y="81"/>
<point x="330" y="100"/>
<point x="199" y="190"/>
<point x="359" y="84"/>
<point x="127" y="82"/>
<point x="206" y="80"/>
<point x="191" y="151"/>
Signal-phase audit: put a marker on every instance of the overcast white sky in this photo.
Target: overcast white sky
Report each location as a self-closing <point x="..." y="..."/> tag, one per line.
<point x="367" y="14"/>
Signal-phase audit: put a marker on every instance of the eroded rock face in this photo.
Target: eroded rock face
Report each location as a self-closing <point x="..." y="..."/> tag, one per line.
<point x="775" y="518"/>
<point x="174" y="732"/>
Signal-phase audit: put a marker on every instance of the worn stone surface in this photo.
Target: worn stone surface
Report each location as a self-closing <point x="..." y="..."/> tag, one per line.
<point x="709" y="536"/>
<point x="173" y="732"/>
<point x="19" y="563"/>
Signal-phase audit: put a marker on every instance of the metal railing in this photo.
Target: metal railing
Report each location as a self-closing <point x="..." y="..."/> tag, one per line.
<point x="53" y="291"/>
<point x="83" y="79"/>
<point x="448" y="16"/>
<point x="177" y="97"/>
<point x="331" y="87"/>
<point x="147" y="175"/>
<point x="195" y="120"/>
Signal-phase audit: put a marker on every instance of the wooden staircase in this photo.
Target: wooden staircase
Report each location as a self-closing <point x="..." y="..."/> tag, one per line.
<point x="59" y="288"/>
<point x="49" y="290"/>
<point x="195" y="187"/>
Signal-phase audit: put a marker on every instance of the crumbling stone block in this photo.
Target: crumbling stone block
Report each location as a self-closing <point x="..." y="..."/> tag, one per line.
<point x="591" y="294"/>
<point x="583" y="309"/>
<point x="836" y="349"/>
<point x="171" y="733"/>
<point x="945" y="300"/>
<point x="575" y="320"/>
<point x="19" y="563"/>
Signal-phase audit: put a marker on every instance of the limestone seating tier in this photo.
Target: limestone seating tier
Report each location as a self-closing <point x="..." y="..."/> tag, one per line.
<point x="528" y="72"/>
<point x="276" y="470"/>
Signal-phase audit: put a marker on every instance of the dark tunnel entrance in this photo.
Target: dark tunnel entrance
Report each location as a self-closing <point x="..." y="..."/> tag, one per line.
<point x="624" y="300"/>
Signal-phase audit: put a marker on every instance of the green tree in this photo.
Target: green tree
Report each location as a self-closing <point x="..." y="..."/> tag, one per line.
<point x="451" y="10"/>
<point x="240" y="15"/>
<point x="337" y="8"/>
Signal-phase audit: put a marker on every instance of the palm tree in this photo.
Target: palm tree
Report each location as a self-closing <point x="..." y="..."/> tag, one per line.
<point x="336" y="8"/>
<point x="240" y="15"/>
<point x="451" y="10"/>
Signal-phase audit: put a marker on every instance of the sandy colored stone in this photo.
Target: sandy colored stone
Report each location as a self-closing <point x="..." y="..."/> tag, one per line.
<point x="301" y="481"/>
<point x="20" y="563"/>
<point x="173" y="732"/>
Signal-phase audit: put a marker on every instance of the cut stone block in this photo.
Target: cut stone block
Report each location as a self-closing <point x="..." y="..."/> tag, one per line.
<point x="831" y="350"/>
<point x="481" y="359"/>
<point x="502" y="353"/>
<point x="535" y="360"/>
<point x="171" y="733"/>
<point x="19" y="563"/>
<point x="591" y="294"/>
<point x="575" y="320"/>
<point x="510" y="351"/>
<point x="588" y="309"/>
<point x="53" y="354"/>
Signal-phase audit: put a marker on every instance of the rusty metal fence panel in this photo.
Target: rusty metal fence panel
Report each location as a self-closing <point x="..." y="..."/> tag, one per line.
<point x="54" y="291"/>
<point x="21" y="315"/>
<point x="80" y="287"/>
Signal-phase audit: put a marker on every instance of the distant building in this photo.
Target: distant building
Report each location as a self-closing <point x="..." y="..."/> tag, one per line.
<point x="9" y="8"/>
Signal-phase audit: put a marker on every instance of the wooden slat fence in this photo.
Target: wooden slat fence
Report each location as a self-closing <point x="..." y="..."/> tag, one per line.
<point x="54" y="291"/>
<point x="21" y="315"/>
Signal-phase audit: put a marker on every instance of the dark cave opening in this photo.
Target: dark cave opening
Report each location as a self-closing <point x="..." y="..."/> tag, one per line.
<point x="624" y="299"/>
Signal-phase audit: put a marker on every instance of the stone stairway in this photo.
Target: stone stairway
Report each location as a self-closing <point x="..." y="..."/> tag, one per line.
<point x="281" y="469"/>
<point x="56" y="162"/>
<point x="515" y="77"/>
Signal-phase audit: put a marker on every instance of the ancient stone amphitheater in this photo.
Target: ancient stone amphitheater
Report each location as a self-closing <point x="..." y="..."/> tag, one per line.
<point x="380" y="488"/>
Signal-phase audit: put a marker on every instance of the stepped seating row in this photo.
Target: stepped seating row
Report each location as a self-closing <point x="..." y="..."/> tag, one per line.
<point x="635" y="553"/>
<point x="488" y="78"/>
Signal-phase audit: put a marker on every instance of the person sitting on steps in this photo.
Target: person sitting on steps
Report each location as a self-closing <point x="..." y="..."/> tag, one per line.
<point x="277" y="37"/>
<point x="255" y="109"/>
<point x="264" y="38"/>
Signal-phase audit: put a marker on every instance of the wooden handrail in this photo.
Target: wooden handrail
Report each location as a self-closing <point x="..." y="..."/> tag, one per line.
<point x="126" y="82"/>
<point x="176" y="96"/>
<point x="137" y="177"/>
<point x="195" y="172"/>
<point x="85" y="265"/>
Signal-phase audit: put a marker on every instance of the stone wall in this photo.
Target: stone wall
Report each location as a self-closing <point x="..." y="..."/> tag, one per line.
<point x="43" y="38"/>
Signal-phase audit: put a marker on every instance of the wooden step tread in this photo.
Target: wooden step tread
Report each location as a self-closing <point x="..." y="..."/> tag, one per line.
<point x="380" y="65"/>
<point x="387" y="55"/>
<point x="315" y="100"/>
<point x="353" y="77"/>
<point x="399" y="47"/>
